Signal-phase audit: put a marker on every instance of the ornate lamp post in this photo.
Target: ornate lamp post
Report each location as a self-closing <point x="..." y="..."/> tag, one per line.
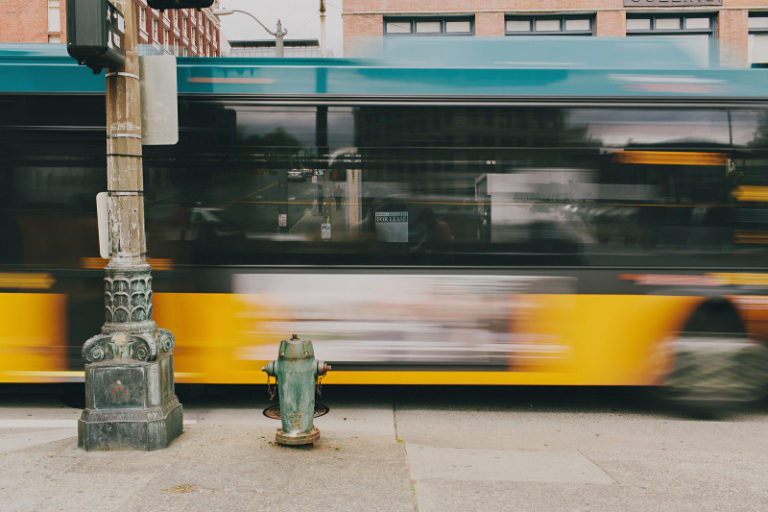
<point x="129" y="389"/>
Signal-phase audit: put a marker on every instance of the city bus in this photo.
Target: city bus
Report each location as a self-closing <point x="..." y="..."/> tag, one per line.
<point x="482" y="218"/>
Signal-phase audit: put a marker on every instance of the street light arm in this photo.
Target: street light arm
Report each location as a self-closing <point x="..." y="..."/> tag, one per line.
<point x="231" y="11"/>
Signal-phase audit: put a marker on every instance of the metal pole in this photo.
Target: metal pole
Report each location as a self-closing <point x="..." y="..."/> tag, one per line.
<point x="279" y="40"/>
<point x="322" y="29"/>
<point x="124" y="159"/>
<point x="130" y="400"/>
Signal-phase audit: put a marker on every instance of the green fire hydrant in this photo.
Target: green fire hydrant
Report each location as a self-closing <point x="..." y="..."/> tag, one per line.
<point x="297" y="371"/>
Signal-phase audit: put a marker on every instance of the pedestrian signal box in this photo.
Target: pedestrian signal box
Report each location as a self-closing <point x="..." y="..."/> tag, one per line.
<point x="179" y="4"/>
<point x="95" y="33"/>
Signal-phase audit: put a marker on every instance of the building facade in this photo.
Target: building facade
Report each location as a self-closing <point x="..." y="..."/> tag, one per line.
<point x="735" y="32"/>
<point x="177" y="31"/>
<point x="307" y="48"/>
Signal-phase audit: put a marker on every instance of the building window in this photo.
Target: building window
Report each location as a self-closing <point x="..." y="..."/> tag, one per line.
<point x="155" y="35"/>
<point x="193" y="35"/>
<point x="423" y="26"/>
<point x="54" y="38"/>
<point x="54" y="16"/>
<point x="184" y="25"/>
<point x="142" y="19"/>
<point x="695" y="31"/>
<point x="577" y="25"/>
<point x="670" y="24"/>
<point x="167" y="38"/>
<point x="758" y="39"/>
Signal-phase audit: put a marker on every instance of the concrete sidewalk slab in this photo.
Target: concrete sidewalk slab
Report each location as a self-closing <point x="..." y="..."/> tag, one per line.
<point x="405" y="450"/>
<point x="656" y="461"/>
<point x="429" y="462"/>
<point x="210" y="468"/>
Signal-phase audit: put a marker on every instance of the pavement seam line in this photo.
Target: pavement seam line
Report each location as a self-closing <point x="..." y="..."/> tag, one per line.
<point x="405" y="450"/>
<point x="597" y="465"/>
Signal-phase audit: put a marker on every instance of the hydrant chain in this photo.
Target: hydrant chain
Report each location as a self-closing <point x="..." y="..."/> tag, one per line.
<point x="270" y="388"/>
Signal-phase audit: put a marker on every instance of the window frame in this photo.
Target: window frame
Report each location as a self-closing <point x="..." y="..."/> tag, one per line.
<point x="562" y="18"/>
<point x="413" y="20"/>
<point x="756" y="31"/>
<point x="653" y="31"/>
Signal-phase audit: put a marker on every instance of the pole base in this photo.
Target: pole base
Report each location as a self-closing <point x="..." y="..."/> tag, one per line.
<point x="130" y="430"/>
<point x="297" y="439"/>
<point x="130" y="406"/>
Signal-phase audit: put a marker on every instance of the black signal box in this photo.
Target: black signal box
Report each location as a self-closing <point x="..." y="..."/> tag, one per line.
<point x="179" y="4"/>
<point x="95" y="33"/>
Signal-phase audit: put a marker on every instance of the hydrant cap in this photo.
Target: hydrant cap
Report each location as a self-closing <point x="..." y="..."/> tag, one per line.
<point x="296" y="348"/>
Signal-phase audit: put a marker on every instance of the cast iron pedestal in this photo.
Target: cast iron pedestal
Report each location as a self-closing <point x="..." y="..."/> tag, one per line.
<point x="130" y="401"/>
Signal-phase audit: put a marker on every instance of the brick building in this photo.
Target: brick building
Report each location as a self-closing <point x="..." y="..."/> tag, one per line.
<point x="739" y="27"/>
<point x="177" y="31"/>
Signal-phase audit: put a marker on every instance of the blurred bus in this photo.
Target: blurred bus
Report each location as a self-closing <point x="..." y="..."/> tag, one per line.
<point x="475" y="222"/>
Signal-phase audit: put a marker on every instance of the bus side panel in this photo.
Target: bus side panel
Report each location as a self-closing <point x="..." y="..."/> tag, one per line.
<point x="560" y="339"/>
<point x="213" y="333"/>
<point x="603" y="339"/>
<point x="33" y="345"/>
<point x="620" y="338"/>
<point x="754" y="312"/>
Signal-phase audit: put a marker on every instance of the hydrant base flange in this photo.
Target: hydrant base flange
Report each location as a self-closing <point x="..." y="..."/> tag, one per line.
<point x="297" y="439"/>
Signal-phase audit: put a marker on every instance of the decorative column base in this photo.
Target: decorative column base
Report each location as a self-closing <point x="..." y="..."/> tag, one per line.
<point x="130" y="405"/>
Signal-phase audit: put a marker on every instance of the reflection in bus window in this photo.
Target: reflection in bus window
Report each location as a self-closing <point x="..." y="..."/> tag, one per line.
<point x="505" y="185"/>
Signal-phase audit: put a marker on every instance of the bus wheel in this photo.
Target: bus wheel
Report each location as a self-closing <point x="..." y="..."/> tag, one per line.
<point x="716" y="366"/>
<point x="712" y="375"/>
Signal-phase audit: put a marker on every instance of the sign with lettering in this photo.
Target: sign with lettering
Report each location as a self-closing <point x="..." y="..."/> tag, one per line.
<point x="391" y="226"/>
<point x="671" y="3"/>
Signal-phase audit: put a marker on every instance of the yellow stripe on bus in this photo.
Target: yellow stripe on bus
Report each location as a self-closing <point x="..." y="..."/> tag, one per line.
<point x="750" y="193"/>
<point x="96" y="263"/>
<point x="33" y="335"/>
<point x="26" y="280"/>
<point x="670" y="158"/>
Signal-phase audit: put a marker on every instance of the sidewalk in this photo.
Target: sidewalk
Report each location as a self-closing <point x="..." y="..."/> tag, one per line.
<point x="226" y="460"/>
<point x="384" y="452"/>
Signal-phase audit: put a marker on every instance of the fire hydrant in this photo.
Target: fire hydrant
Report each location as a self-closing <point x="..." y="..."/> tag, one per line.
<point x="297" y="371"/>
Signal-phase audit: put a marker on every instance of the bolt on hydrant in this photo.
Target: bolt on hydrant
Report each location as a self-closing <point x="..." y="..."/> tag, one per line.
<point x="297" y="371"/>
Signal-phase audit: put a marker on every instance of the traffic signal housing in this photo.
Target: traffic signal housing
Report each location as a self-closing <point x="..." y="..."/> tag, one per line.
<point x="179" y="4"/>
<point x="95" y="33"/>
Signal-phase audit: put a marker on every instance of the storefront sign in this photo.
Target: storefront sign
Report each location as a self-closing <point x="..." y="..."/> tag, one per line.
<point x="671" y="3"/>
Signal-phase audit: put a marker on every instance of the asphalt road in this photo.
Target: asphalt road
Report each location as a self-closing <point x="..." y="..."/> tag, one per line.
<point x="382" y="448"/>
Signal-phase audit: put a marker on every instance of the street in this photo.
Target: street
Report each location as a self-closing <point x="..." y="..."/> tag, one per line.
<point x="389" y="448"/>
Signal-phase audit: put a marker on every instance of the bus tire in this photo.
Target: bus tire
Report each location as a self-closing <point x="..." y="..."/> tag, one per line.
<point x="713" y="375"/>
<point x="717" y="367"/>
